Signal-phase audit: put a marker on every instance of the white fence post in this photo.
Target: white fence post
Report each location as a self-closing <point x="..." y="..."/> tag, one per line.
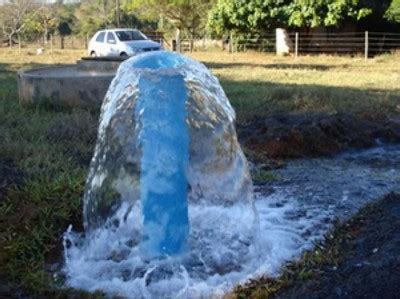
<point x="296" y="46"/>
<point x="283" y="42"/>
<point x="366" y="45"/>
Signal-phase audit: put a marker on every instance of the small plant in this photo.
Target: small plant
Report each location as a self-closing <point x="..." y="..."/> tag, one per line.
<point x="263" y="176"/>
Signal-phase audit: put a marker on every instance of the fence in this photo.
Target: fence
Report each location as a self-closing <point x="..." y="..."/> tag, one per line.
<point x="366" y="43"/>
<point x="53" y="43"/>
<point x="297" y="43"/>
<point x="70" y="42"/>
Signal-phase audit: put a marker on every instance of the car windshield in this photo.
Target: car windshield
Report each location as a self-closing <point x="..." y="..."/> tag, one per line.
<point x="128" y="35"/>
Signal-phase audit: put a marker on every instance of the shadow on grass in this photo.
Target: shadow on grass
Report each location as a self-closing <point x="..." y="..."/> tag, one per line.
<point x="279" y="66"/>
<point x="261" y="98"/>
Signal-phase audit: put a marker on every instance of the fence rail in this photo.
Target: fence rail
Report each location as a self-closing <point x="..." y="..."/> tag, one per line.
<point x="367" y="43"/>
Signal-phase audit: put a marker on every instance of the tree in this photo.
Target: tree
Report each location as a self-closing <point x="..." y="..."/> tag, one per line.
<point x="248" y="16"/>
<point x="393" y="12"/>
<point x="314" y="13"/>
<point x="189" y="16"/>
<point x="66" y="21"/>
<point x="43" y="20"/>
<point x="13" y="17"/>
<point x="262" y="15"/>
<point x="93" y="15"/>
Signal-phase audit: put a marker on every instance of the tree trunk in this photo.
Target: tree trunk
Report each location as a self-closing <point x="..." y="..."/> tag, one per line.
<point x="46" y="32"/>
<point x="117" y="13"/>
<point x="62" y="42"/>
<point x="10" y="39"/>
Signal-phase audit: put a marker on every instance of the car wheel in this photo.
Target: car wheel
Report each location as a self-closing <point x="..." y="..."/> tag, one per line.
<point x="93" y="54"/>
<point x="123" y="54"/>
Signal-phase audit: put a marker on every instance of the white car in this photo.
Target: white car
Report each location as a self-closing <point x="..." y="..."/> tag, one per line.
<point x="120" y="42"/>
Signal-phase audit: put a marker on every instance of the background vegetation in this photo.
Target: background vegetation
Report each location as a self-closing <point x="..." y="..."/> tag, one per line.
<point x="30" y="19"/>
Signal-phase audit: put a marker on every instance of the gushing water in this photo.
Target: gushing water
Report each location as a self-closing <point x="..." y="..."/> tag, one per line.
<point x="169" y="197"/>
<point x="169" y="210"/>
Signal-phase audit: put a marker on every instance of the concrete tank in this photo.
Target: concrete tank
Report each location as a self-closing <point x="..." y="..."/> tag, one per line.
<point x="81" y="85"/>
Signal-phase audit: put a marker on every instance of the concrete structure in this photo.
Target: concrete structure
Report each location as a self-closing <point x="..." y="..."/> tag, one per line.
<point x="84" y="84"/>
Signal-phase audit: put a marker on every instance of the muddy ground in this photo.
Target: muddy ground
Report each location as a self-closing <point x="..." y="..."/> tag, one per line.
<point x="288" y="136"/>
<point x="370" y="259"/>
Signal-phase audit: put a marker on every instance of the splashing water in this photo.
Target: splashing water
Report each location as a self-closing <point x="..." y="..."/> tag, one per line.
<point x="169" y="196"/>
<point x="225" y="242"/>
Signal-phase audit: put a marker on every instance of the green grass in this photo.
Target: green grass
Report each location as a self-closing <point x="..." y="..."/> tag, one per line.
<point x="262" y="176"/>
<point x="261" y="85"/>
<point x="49" y="150"/>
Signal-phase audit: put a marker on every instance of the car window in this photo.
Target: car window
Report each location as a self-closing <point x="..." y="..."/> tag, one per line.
<point x="111" y="38"/>
<point x="100" y="37"/>
<point x="128" y="35"/>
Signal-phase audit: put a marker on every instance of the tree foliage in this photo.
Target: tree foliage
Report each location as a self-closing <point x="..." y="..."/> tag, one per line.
<point x="13" y="17"/>
<point x="187" y="15"/>
<point x="67" y="21"/>
<point x="393" y="13"/>
<point x="93" y="15"/>
<point x="262" y="15"/>
<point x="244" y="16"/>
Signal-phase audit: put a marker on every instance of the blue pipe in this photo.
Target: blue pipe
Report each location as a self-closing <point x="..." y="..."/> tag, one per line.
<point x="164" y="143"/>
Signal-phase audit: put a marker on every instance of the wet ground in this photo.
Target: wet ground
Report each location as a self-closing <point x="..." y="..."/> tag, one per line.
<point x="283" y="136"/>
<point x="370" y="266"/>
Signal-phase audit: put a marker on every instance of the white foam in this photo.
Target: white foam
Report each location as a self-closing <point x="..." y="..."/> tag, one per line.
<point x="222" y="251"/>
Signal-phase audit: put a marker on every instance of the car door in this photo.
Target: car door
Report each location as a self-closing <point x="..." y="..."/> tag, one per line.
<point x="99" y="45"/>
<point x="111" y="41"/>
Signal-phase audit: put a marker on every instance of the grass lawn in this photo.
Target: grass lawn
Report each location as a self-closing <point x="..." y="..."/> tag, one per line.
<point x="44" y="154"/>
<point x="259" y="85"/>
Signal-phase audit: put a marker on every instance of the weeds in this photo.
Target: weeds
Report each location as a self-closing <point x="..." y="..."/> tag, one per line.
<point x="49" y="151"/>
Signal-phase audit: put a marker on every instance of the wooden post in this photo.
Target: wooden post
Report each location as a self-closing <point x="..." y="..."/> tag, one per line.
<point x="296" y="46"/>
<point x="178" y="40"/>
<point x="86" y="41"/>
<point x="366" y="45"/>
<point x="231" y="42"/>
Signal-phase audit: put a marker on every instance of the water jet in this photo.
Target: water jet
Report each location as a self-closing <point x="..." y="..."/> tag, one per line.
<point x="167" y="176"/>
